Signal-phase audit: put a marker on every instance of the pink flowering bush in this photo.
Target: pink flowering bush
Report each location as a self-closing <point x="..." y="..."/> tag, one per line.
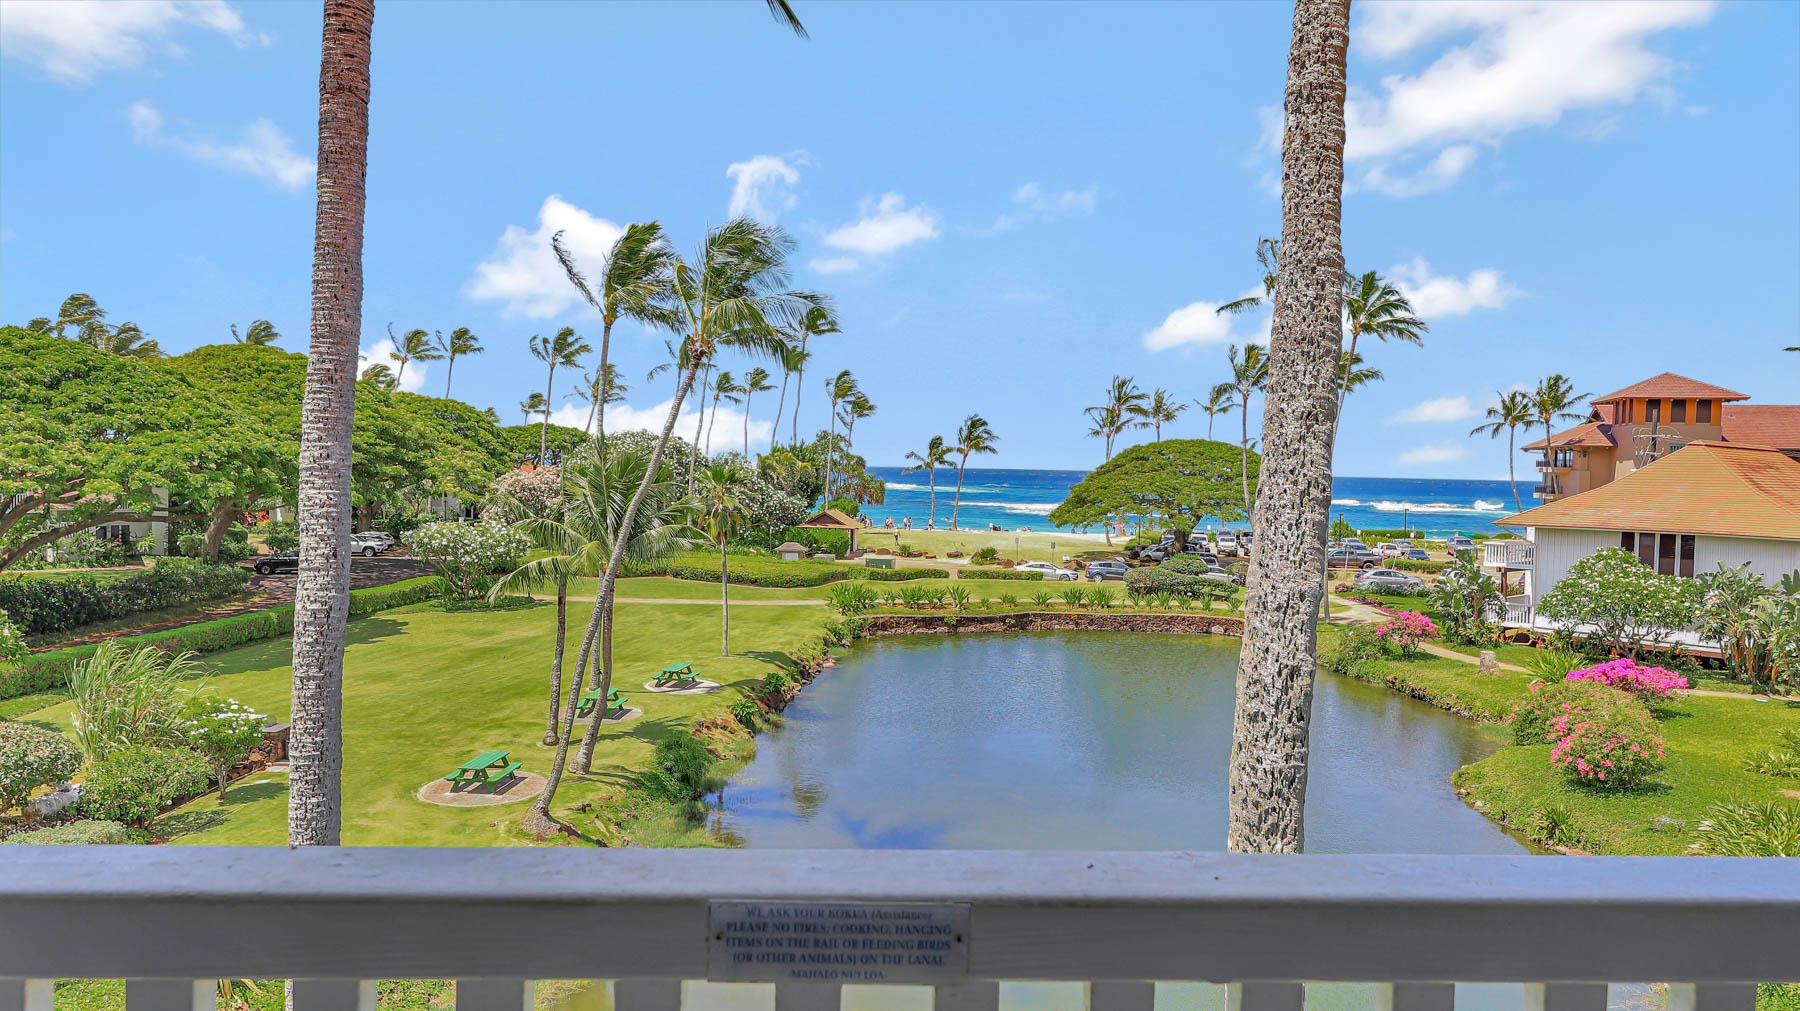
<point x="1545" y="701"/>
<point x="1639" y="679"/>
<point x="1405" y="630"/>
<point x="1616" y="748"/>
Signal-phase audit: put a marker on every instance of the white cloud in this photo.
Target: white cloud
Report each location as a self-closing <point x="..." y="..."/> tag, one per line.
<point x="1433" y="297"/>
<point x="1425" y="456"/>
<point x="1033" y="204"/>
<point x="727" y="434"/>
<point x="523" y="271"/>
<point x="412" y="381"/>
<point x="1197" y="323"/>
<point x="833" y="264"/>
<point x="763" y="186"/>
<point x="264" y="150"/>
<point x="1456" y="408"/>
<point x="885" y="226"/>
<point x="72" y="42"/>
<point x="1513" y="66"/>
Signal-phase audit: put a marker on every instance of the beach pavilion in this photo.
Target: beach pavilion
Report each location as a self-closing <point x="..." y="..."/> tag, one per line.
<point x="832" y="519"/>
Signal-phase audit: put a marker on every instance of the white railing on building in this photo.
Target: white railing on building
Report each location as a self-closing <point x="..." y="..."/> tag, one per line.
<point x="1518" y="612"/>
<point x="171" y="920"/>
<point x="1509" y="554"/>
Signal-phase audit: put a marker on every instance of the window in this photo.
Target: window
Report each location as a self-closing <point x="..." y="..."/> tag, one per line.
<point x="1652" y="411"/>
<point x="1687" y="555"/>
<point x="1703" y="412"/>
<point x="1678" y="411"/>
<point x="1647" y="549"/>
<point x="1665" y="554"/>
<point x="1628" y="540"/>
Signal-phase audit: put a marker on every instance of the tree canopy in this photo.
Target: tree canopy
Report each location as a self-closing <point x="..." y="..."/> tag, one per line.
<point x="1181" y="480"/>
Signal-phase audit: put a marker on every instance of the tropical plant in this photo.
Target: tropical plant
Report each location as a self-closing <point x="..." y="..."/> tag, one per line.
<point x="462" y="341"/>
<point x="1221" y="399"/>
<point x="261" y="333"/>
<point x="133" y="784"/>
<point x="1553" y="664"/>
<point x="535" y="405"/>
<point x="564" y="348"/>
<point x="31" y="757"/>
<point x="756" y="381"/>
<point x="838" y="388"/>
<point x="973" y="437"/>
<point x="1746" y="828"/>
<point x="853" y="597"/>
<point x="12" y="641"/>
<point x="1627" y="604"/>
<point x="1405" y="631"/>
<point x="720" y="515"/>
<point x="1375" y="308"/>
<point x="1467" y="598"/>
<point x="635" y="283"/>
<point x="466" y="555"/>
<point x="1249" y="374"/>
<point x="413" y="346"/>
<point x="1555" y="399"/>
<point x="1615" y="747"/>
<point x="959" y="597"/>
<point x="598" y="390"/>
<point x="381" y="377"/>
<point x="1279" y="656"/>
<point x="1042" y="600"/>
<point x="126" y="340"/>
<point x="936" y="455"/>
<point x="1352" y="375"/>
<point x="1756" y="627"/>
<point x="816" y="321"/>
<point x="855" y="409"/>
<point x="1075" y="596"/>
<point x="1627" y="675"/>
<point x="1509" y="411"/>
<point x="1160" y="410"/>
<point x="726" y="388"/>
<point x="223" y="731"/>
<point x="1124" y="409"/>
<point x="130" y="697"/>
<point x="1268" y="257"/>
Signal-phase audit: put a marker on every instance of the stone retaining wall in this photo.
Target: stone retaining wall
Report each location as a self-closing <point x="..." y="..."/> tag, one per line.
<point x="1056" y="621"/>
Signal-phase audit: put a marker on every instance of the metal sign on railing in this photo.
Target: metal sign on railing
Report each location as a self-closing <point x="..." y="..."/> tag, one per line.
<point x="776" y="941"/>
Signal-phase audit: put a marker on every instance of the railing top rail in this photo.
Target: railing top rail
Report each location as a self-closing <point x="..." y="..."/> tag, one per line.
<point x="559" y="913"/>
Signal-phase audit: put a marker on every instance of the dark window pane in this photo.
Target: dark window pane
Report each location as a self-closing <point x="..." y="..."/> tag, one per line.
<point x="1687" y="554"/>
<point x="1628" y="540"/>
<point x="1652" y="411"/>
<point x="1677" y="410"/>
<point x="1665" y="554"/>
<point x="1647" y="548"/>
<point x="1703" y="412"/>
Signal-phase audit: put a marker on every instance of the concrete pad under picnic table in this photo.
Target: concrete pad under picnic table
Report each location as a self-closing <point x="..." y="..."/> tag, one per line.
<point x="699" y="687"/>
<point x="520" y="786"/>
<point x="631" y="713"/>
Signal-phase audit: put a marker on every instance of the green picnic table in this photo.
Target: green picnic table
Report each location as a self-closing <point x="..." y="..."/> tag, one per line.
<point x="615" y="704"/>
<point x="487" y="767"/>
<point x="679" y="674"/>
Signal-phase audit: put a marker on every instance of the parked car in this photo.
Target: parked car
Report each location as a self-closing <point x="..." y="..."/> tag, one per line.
<point x="1403" y="543"/>
<point x="1207" y="557"/>
<point x="1157" y="553"/>
<point x="1355" y="542"/>
<point x="386" y="539"/>
<point x="1389" y="579"/>
<point x="281" y="561"/>
<point x="1051" y="571"/>
<point x="1227" y="544"/>
<point x="1107" y="570"/>
<point x="1222" y="575"/>
<point x="1353" y="558"/>
<point x="1388" y="549"/>
<point x="367" y="545"/>
<point x="1415" y="555"/>
<point x="1455" y="544"/>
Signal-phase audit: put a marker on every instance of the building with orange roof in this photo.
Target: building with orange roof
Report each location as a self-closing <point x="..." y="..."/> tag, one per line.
<point x="1684" y="514"/>
<point x="1629" y="428"/>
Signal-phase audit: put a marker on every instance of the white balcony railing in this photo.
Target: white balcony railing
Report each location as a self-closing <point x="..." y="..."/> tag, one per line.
<point x="171" y="920"/>
<point x="1518" y="612"/>
<point x="1509" y="554"/>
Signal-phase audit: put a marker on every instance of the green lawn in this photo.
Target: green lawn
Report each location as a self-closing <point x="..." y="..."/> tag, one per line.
<point x="425" y="690"/>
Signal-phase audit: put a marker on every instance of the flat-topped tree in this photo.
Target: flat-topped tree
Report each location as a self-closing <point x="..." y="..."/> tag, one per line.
<point x="1185" y="480"/>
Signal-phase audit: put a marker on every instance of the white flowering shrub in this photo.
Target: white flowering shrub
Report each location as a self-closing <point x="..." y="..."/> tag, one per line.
<point x="467" y="555"/>
<point x="224" y="731"/>
<point x="12" y="641"/>
<point x="1622" y="601"/>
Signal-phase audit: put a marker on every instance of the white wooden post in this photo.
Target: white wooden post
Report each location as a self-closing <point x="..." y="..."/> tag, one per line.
<point x="976" y="995"/>
<point x="1415" y="997"/>
<point x="647" y="995"/>
<point x="493" y="995"/>
<point x="1121" y="995"/>
<point x="808" y="996"/>
<point x="1265" y="997"/>
<point x="1712" y="997"/>
<point x="171" y="994"/>
<point x="330" y="995"/>
<point x="1565" y="997"/>
<point x="18" y="994"/>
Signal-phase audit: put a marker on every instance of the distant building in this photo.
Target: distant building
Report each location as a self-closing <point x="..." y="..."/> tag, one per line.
<point x="1632" y="427"/>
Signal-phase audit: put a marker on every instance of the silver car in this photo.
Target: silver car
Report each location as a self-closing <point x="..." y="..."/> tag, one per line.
<point x="1098" y="571"/>
<point x="1051" y="571"/>
<point x="1391" y="580"/>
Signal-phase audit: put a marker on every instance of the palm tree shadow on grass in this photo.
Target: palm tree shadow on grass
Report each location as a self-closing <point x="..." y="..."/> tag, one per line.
<point x="180" y="823"/>
<point x="371" y="630"/>
<point x="772" y="657"/>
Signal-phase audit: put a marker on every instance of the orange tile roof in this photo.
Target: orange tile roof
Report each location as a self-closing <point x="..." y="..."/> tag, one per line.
<point x="832" y="519"/>
<point x="1671" y="385"/>
<point x="1715" y="488"/>
<point x="1776" y="425"/>
<point x="1593" y="433"/>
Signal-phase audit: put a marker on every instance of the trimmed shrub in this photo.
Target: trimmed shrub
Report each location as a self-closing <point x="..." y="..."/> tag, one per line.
<point x="1027" y="575"/>
<point x="1628" y="675"/>
<point x="12" y="641"/>
<point x="679" y="768"/>
<point x="75" y="833"/>
<point x="750" y="571"/>
<point x="853" y="598"/>
<point x="1414" y="565"/>
<point x="133" y="785"/>
<point x="1404" y="631"/>
<point x="1546" y="700"/>
<point x="31" y="757"/>
<point x="1616" y="747"/>
<point x="41" y="605"/>
<point x="49" y="670"/>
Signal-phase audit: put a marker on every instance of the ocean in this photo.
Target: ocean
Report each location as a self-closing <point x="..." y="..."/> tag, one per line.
<point x="1024" y="498"/>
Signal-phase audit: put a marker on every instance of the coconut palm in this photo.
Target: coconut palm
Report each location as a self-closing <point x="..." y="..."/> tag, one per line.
<point x="1221" y="399"/>
<point x="565" y="348"/>
<point x="1248" y="374"/>
<point x="1276" y="666"/>
<point x="1375" y="308"/>
<point x="855" y="409"/>
<point x="535" y="405"/>
<point x="315" y="742"/>
<point x="1122" y="411"/>
<point x="838" y="388"/>
<point x="1555" y="399"/>
<point x="793" y="360"/>
<point x="1352" y="375"/>
<point x="415" y="346"/>
<point x="725" y="388"/>
<point x="560" y="543"/>
<point x="975" y="436"/>
<point x="599" y="388"/>
<point x="719" y="516"/>
<point x="815" y="322"/>
<point x="1268" y="256"/>
<point x="634" y="283"/>
<point x="936" y="455"/>
<point x="462" y="342"/>
<point x="757" y="381"/>
<point x="380" y="375"/>
<point x="261" y="333"/>
<point x="1162" y="409"/>
<point x="79" y="311"/>
<point x="125" y="340"/>
<point x="1509" y="412"/>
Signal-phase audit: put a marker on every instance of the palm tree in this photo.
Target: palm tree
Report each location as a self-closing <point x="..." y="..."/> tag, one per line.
<point x="561" y="544"/>
<point x="1124" y="402"/>
<point x="535" y="405"/>
<point x="756" y="382"/>
<point x="1221" y="399"/>
<point x="462" y="342"/>
<point x="315" y="742"/>
<point x="416" y="346"/>
<point x="78" y="310"/>
<point x="1512" y="410"/>
<point x="1554" y="400"/>
<point x="261" y="333"/>
<point x="380" y="375"/>
<point x="566" y="348"/>
<point x="1352" y="375"/>
<point x="1276" y="666"/>
<point x="855" y="409"/>
<point x="125" y="340"/>
<point x="598" y="389"/>
<point x="936" y="455"/>
<point x="1374" y="307"/>
<point x="720" y="516"/>
<point x="838" y="388"/>
<point x="1268" y="256"/>
<point x="793" y="359"/>
<point x="975" y="436"/>
<point x="1161" y="410"/>
<point x="725" y="388"/>
<point x="1249" y="374"/>
<point x="815" y="322"/>
<point x="634" y="282"/>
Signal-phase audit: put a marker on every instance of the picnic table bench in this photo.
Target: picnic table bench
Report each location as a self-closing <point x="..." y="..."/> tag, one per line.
<point x="487" y="767"/>
<point x="615" y="704"/>
<point x="679" y="674"/>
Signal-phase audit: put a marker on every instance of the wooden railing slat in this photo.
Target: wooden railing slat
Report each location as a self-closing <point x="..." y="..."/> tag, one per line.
<point x="331" y="995"/>
<point x="17" y="994"/>
<point x="493" y="995"/>
<point x="647" y="995"/>
<point x="171" y="994"/>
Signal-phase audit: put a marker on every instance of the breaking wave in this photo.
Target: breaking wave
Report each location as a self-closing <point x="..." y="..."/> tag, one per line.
<point x="1479" y="508"/>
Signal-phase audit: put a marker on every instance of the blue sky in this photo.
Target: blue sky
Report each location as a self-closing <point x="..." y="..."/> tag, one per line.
<point x="1010" y="202"/>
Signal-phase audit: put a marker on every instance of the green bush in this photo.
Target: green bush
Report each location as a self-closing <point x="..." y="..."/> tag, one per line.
<point x="774" y="683"/>
<point x="49" y="670"/>
<point x="853" y="598"/>
<point x="284" y="536"/>
<point x="1739" y="828"/>
<point x="40" y="605"/>
<point x="31" y="757"/>
<point x="1617" y="747"/>
<point x="75" y="833"/>
<point x="746" y="712"/>
<point x="1027" y="575"/>
<point x="1414" y="565"/>
<point x="678" y="770"/>
<point x="1546" y="700"/>
<point x="133" y="785"/>
<point x="985" y="555"/>
<point x="773" y="572"/>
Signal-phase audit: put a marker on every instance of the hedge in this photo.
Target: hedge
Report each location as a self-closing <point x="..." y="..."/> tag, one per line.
<point x="1029" y="575"/>
<point x="49" y="670"/>
<point x="1414" y="565"/>
<point x="751" y="571"/>
<point x="107" y="833"/>
<point x="45" y="604"/>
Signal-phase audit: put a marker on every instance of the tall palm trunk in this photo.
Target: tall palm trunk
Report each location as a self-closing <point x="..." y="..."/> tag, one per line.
<point x="931" y="478"/>
<point x="724" y="602"/>
<point x="538" y="820"/>
<point x="544" y="429"/>
<point x="322" y="588"/>
<point x="1244" y="442"/>
<point x="1276" y="664"/>
<point x="799" y="384"/>
<point x="956" y="504"/>
<point x="830" y="447"/>
<point x="780" y="406"/>
<point x="562" y="628"/>
<point x="747" y="397"/>
<point x="449" y="371"/>
<point x="600" y="401"/>
<point x="699" y="419"/>
<point x="1511" y="477"/>
<point x="710" y="425"/>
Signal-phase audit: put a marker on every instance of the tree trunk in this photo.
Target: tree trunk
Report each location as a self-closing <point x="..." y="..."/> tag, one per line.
<point x="1276" y="664"/>
<point x="215" y="530"/>
<point x="780" y="406"/>
<point x="799" y="384"/>
<point x="1511" y="477"/>
<point x="830" y="447"/>
<point x="449" y="371"/>
<point x="224" y="777"/>
<point x="931" y="478"/>
<point x="710" y="425"/>
<point x="956" y="503"/>
<point x="562" y="628"/>
<point x="544" y="428"/>
<point x="1244" y="442"/>
<point x="724" y="602"/>
<point x="699" y="419"/>
<point x="322" y="587"/>
<point x="538" y="820"/>
<point x="602" y="680"/>
<point x="747" y="397"/>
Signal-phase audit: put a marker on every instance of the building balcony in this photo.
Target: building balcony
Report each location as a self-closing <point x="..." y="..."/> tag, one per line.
<point x="1512" y="554"/>
<point x="1519" y="612"/>
<point x="172" y="920"/>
